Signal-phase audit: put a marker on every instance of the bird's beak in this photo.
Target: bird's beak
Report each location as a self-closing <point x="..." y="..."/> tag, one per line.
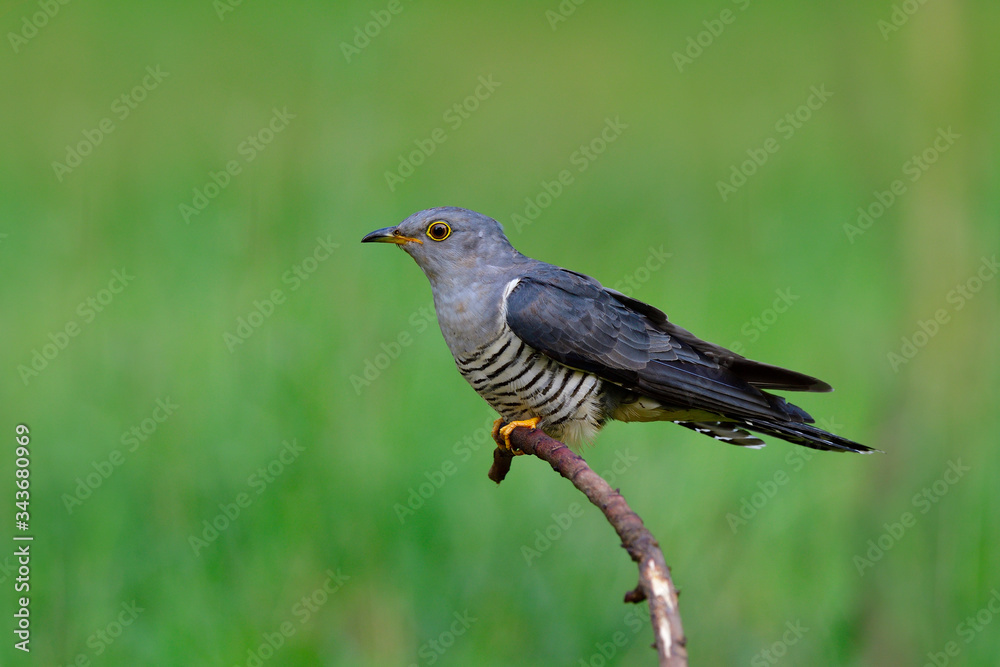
<point x="389" y="235"/>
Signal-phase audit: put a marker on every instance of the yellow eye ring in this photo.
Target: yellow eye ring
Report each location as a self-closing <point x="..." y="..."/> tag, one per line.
<point x="438" y="231"/>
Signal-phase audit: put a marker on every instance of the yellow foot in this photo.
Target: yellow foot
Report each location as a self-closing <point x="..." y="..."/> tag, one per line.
<point x="509" y="428"/>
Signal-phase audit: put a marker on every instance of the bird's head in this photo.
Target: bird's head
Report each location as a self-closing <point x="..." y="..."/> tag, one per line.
<point x="449" y="242"/>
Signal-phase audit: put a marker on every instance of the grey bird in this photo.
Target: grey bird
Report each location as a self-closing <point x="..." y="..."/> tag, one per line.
<point x="554" y="349"/>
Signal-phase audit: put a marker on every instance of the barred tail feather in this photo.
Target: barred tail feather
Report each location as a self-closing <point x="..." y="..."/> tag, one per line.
<point x="808" y="436"/>
<point x="727" y="432"/>
<point x="735" y="433"/>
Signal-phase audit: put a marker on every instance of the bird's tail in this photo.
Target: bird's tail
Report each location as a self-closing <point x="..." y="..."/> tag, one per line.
<point x="808" y="436"/>
<point x="736" y="433"/>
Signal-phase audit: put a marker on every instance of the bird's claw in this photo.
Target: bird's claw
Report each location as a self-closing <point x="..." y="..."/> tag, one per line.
<point x="499" y="428"/>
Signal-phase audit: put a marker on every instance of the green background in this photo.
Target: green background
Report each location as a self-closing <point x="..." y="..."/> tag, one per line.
<point x="368" y="447"/>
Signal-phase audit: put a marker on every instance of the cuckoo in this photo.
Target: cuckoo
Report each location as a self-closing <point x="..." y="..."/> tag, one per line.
<point x="553" y="349"/>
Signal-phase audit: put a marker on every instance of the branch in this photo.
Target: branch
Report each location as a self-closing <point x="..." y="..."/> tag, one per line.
<point x="655" y="584"/>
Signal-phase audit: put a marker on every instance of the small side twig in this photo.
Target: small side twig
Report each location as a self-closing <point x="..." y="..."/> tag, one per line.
<point x="655" y="583"/>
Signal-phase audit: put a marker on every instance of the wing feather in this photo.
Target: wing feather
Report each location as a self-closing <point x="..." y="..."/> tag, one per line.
<point x="574" y="320"/>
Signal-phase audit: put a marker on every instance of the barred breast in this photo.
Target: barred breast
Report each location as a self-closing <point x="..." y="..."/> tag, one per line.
<point x="521" y="382"/>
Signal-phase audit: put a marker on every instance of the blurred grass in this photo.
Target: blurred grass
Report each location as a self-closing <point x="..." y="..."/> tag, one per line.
<point x="323" y="176"/>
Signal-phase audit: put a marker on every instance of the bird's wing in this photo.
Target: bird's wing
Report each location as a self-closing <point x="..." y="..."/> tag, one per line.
<point x="573" y="319"/>
<point x="759" y="374"/>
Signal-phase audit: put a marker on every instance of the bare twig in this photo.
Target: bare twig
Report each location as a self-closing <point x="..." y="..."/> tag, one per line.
<point x="655" y="584"/>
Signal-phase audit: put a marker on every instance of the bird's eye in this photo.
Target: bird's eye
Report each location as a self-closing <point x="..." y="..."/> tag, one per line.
<point x="439" y="231"/>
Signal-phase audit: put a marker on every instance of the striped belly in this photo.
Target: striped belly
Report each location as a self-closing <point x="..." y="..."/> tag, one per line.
<point x="521" y="382"/>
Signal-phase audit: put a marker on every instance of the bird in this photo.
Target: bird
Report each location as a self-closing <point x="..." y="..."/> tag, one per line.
<point x="553" y="349"/>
